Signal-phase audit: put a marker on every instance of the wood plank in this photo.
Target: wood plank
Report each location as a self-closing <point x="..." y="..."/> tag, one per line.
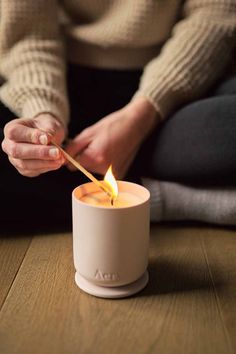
<point x="12" y="252"/>
<point x="193" y="324"/>
<point x="177" y="313"/>
<point x="220" y="248"/>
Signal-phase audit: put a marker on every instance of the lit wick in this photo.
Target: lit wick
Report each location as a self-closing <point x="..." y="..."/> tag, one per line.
<point x="111" y="183"/>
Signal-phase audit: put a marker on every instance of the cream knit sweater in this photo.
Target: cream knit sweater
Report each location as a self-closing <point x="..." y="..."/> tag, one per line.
<point x="183" y="46"/>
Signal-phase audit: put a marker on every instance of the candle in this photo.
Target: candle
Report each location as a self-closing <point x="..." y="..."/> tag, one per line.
<point x="99" y="198"/>
<point x="110" y="243"/>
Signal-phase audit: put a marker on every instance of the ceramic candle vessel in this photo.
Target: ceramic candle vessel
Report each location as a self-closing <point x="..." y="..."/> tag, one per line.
<point x="111" y="243"/>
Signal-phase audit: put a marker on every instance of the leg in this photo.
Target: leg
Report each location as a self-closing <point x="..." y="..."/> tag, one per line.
<point x="201" y="151"/>
<point x="197" y="144"/>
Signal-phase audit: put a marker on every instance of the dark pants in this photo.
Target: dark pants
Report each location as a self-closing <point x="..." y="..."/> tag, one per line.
<point x="196" y="145"/>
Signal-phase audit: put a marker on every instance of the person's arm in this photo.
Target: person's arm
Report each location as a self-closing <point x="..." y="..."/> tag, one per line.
<point x="190" y="62"/>
<point x="115" y="139"/>
<point x="32" y="60"/>
<point x="193" y="58"/>
<point x="33" y="66"/>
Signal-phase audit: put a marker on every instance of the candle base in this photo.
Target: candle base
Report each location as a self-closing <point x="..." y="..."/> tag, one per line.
<point x="115" y="292"/>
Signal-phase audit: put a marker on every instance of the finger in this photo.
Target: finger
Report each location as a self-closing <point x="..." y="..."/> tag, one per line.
<point x="35" y="165"/>
<point x="29" y="173"/>
<point x="86" y="162"/>
<point x="78" y="144"/>
<point x="30" y="151"/>
<point x="22" y="133"/>
<point x="94" y="162"/>
<point x="121" y="170"/>
<point x="53" y="128"/>
<point x="47" y="123"/>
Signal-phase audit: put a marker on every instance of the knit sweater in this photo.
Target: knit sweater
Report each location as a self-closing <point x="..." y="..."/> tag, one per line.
<point x="182" y="46"/>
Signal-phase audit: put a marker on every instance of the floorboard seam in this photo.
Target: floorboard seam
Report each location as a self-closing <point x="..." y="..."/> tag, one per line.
<point x="216" y="297"/>
<point x="13" y="280"/>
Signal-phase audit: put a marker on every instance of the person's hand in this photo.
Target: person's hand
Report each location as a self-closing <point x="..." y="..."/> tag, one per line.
<point x="115" y="139"/>
<point x="26" y="144"/>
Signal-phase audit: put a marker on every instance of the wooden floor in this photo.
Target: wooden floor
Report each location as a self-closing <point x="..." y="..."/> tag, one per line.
<point x="188" y="307"/>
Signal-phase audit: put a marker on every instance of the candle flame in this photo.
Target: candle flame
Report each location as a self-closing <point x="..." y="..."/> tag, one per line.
<point x="110" y="181"/>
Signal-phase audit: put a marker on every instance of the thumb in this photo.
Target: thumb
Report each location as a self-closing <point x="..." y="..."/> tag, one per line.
<point x="51" y="126"/>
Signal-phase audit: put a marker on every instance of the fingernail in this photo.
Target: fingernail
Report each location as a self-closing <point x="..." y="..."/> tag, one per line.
<point x="43" y="139"/>
<point x="54" y="152"/>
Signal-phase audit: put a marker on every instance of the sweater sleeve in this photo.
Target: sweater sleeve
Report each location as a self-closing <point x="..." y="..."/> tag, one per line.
<point x="32" y="62"/>
<point x="193" y="58"/>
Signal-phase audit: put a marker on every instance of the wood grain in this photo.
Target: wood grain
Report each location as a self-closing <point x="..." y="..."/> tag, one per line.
<point x="12" y="252"/>
<point x="220" y="248"/>
<point x="178" y="312"/>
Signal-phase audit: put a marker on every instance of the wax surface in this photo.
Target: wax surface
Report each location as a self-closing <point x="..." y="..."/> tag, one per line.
<point x="124" y="199"/>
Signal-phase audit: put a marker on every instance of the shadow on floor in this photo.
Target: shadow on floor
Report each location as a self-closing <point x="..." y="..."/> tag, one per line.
<point x="165" y="278"/>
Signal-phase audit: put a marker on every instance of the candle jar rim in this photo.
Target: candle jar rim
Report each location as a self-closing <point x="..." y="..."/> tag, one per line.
<point x="90" y="187"/>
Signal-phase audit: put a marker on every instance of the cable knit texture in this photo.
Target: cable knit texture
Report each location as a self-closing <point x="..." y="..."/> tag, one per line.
<point x="183" y="47"/>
